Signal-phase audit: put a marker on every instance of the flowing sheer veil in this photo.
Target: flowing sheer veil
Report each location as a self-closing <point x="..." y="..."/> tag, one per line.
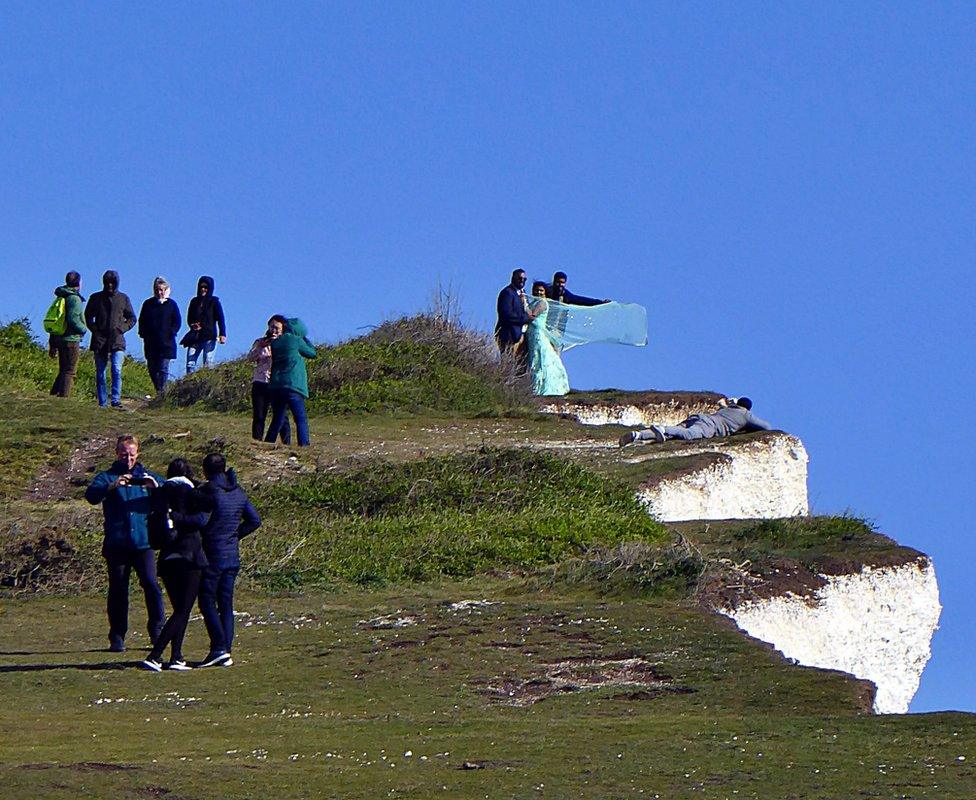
<point x="616" y="323"/>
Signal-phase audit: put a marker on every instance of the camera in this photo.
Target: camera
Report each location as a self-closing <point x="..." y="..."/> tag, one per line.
<point x="138" y="476"/>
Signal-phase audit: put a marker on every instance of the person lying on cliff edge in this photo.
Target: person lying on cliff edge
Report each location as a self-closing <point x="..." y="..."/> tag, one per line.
<point x="735" y="417"/>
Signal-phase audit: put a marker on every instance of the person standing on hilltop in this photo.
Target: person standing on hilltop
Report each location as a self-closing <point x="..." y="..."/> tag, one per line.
<point x="109" y="316"/>
<point x="260" y="355"/>
<point x="205" y="316"/>
<point x="123" y="492"/>
<point x="67" y="346"/>
<point x="289" y="377"/>
<point x="159" y="322"/>
<point x="557" y="291"/>
<point x="734" y="416"/>
<point x="513" y="317"/>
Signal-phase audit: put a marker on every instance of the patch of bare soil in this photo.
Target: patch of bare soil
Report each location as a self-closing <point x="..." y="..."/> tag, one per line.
<point x="580" y="675"/>
<point x="59" y="481"/>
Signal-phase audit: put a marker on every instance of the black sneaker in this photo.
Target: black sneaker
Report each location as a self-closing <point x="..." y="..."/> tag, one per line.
<point x="216" y="659"/>
<point x="116" y="644"/>
<point x="152" y="664"/>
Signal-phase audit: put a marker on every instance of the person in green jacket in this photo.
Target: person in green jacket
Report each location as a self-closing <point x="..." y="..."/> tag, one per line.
<point x="289" y="378"/>
<point x="67" y="346"/>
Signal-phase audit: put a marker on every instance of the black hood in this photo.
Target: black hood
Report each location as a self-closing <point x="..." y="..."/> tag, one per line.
<point x="205" y="280"/>
<point x="225" y="480"/>
<point x="110" y="280"/>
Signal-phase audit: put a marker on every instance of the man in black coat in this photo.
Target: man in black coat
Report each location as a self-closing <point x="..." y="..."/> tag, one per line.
<point x="513" y="314"/>
<point x="159" y="322"/>
<point x="557" y="291"/>
<point x="231" y="519"/>
<point x="108" y="316"/>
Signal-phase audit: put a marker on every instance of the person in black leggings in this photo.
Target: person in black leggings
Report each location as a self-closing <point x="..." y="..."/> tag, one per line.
<point x="181" y="560"/>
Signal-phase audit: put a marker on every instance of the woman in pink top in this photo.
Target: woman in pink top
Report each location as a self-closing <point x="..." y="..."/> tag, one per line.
<point x="260" y="354"/>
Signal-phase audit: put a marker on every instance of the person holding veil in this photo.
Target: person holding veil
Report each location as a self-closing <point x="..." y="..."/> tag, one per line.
<point x="545" y="366"/>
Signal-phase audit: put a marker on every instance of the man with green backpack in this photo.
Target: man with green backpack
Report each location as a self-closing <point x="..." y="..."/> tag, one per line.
<point x="65" y="322"/>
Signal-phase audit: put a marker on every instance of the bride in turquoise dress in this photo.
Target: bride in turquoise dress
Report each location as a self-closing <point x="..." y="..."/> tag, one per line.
<point x="545" y="366"/>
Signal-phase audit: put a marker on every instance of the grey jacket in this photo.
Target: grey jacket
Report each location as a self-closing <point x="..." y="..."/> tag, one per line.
<point x="737" y="420"/>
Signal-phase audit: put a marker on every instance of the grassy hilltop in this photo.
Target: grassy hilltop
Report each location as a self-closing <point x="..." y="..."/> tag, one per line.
<point x="451" y="596"/>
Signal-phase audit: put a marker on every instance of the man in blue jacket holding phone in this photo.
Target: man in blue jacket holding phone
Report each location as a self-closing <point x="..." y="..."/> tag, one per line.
<point x="123" y="492"/>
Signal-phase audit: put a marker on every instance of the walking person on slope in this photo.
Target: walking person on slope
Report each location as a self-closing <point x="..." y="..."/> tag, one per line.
<point x="205" y="316"/>
<point x="159" y="322"/>
<point x="232" y="517"/>
<point x="109" y="316"/>
<point x="67" y="346"/>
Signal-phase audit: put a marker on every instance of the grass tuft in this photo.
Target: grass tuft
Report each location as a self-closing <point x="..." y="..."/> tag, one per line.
<point x="427" y="362"/>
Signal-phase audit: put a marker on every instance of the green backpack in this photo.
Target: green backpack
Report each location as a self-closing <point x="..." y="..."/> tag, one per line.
<point x="56" y="319"/>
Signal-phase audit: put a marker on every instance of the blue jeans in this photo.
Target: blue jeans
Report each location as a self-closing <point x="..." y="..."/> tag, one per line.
<point x="158" y="371"/>
<point x="282" y="401"/>
<point x="194" y="351"/>
<point x="101" y="361"/>
<point x="217" y="606"/>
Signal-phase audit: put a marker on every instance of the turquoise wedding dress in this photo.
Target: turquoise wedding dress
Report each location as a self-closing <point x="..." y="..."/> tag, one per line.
<point x="546" y="367"/>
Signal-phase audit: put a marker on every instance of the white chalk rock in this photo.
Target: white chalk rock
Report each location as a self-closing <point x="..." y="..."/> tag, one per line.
<point x="876" y="625"/>
<point x="756" y="478"/>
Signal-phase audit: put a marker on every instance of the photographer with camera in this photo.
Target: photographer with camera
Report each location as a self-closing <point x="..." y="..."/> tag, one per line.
<point x="123" y="491"/>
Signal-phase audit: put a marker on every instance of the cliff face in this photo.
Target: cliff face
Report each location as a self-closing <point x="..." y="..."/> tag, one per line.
<point x="875" y="621"/>
<point x="876" y="624"/>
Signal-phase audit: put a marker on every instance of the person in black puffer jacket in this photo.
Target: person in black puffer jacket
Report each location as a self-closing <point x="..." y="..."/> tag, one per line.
<point x="232" y="519"/>
<point x="205" y="316"/>
<point x="181" y="559"/>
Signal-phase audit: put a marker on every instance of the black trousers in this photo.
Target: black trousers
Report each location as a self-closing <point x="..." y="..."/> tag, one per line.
<point x="120" y="563"/>
<point x="182" y="582"/>
<point x="260" y="404"/>
<point x="67" y="353"/>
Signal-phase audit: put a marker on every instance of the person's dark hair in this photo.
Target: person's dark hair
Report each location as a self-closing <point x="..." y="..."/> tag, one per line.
<point x="278" y="318"/>
<point x="214" y="464"/>
<point x="72" y="279"/>
<point x="744" y="402"/>
<point x="537" y="284"/>
<point x="558" y="275"/>
<point x="179" y="467"/>
<point x="515" y="273"/>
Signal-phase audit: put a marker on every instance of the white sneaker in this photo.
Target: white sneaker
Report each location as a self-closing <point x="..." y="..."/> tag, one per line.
<point x="179" y="666"/>
<point x="216" y="659"/>
<point x="152" y="665"/>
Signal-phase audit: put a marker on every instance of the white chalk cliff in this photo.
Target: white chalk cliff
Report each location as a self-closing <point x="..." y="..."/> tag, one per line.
<point x="876" y="624"/>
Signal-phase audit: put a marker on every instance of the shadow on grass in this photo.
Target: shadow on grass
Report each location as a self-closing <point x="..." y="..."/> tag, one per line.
<point x="106" y="665"/>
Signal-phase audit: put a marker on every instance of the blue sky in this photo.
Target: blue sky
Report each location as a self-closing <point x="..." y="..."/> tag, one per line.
<point x="788" y="188"/>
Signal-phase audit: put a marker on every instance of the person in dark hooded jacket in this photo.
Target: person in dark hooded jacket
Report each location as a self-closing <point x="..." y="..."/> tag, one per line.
<point x="159" y="322"/>
<point x="67" y="346"/>
<point x="181" y="559"/>
<point x="232" y="517"/>
<point x="205" y="316"/>
<point x="109" y="316"/>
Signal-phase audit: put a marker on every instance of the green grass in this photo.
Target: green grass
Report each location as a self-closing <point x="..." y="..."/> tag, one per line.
<point x="411" y="365"/>
<point x="26" y="367"/>
<point x="319" y="705"/>
<point x="456" y="515"/>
